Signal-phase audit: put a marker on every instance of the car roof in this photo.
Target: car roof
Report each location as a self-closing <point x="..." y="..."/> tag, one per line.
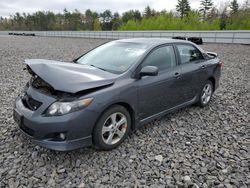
<point x="151" y="42"/>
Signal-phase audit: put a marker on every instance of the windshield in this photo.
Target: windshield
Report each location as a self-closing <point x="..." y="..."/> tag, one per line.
<point x="115" y="57"/>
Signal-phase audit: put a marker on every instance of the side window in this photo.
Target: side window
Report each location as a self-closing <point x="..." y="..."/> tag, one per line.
<point x="189" y="53"/>
<point x="163" y="58"/>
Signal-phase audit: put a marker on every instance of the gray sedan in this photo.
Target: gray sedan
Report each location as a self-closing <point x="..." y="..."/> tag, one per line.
<point x="98" y="98"/>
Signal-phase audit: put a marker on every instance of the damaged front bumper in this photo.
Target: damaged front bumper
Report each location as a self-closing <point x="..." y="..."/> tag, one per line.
<point x="66" y="132"/>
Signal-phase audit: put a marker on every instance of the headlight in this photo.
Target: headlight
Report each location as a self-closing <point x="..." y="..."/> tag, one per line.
<point x="61" y="108"/>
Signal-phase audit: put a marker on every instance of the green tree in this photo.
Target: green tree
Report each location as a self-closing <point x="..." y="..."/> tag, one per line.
<point x="154" y="13"/>
<point x="147" y="12"/>
<point x="234" y="6"/>
<point x="137" y="15"/>
<point x="117" y="22"/>
<point x="183" y="7"/>
<point x="128" y="15"/>
<point x="131" y="15"/>
<point x="223" y="19"/>
<point x="130" y="20"/>
<point x="97" y="25"/>
<point x="106" y="20"/>
<point x="206" y="5"/>
<point x="89" y="20"/>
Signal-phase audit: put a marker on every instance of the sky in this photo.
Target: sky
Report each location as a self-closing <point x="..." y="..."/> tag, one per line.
<point x="9" y="7"/>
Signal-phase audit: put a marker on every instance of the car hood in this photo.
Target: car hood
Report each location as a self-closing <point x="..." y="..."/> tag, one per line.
<point x="70" y="77"/>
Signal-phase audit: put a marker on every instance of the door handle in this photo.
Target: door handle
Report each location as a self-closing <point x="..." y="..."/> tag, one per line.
<point x="177" y="75"/>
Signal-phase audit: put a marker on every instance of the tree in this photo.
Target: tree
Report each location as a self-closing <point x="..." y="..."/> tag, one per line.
<point x="97" y="25"/>
<point x="106" y="20"/>
<point x="206" y="5"/>
<point x="213" y="14"/>
<point x="137" y="15"/>
<point x="128" y="15"/>
<point x="246" y="5"/>
<point x="130" y="20"/>
<point x="147" y="12"/>
<point x="116" y="21"/>
<point x="131" y="15"/>
<point x="89" y="19"/>
<point x="183" y="7"/>
<point x="234" y="6"/>
<point x="154" y="12"/>
<point x="223" y="19"/>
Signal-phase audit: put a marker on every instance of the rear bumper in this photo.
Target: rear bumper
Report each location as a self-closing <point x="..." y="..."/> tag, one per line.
<point x="76" y="126"/>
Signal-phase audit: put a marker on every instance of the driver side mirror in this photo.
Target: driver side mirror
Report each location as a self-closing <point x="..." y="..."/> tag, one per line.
<point x="149" y="71"/>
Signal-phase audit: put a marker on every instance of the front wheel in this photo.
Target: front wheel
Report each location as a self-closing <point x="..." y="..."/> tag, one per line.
<point x="206" y="94"/>
<point x="112" y="128"/>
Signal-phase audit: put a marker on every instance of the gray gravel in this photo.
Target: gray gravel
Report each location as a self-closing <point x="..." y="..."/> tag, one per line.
<point x="194" y="147"/>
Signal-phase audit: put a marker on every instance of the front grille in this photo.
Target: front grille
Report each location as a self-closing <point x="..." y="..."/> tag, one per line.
<point x="31" y="103"/>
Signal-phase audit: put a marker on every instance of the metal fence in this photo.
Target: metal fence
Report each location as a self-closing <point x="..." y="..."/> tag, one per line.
<point x="237" y="37"/>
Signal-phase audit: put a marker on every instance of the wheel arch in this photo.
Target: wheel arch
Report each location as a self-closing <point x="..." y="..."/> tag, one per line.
<point x="131" y="112"/>
<point x="212" y="79"/>
<point x="127" y="106"/>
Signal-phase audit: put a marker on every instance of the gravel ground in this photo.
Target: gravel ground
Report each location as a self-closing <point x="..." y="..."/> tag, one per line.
<point x="193" y="147"/>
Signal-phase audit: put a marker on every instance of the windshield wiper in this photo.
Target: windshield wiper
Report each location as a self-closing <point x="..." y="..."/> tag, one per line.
<point x="97" y="67"/>
<point x="75" y="61"/>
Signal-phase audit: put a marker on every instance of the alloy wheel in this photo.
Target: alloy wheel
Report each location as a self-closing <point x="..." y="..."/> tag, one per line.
<point x="206" y="93"/>
<point x="114" y="128"/>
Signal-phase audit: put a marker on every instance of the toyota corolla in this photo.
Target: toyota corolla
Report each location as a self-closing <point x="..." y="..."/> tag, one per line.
<point x="98" y="98"/>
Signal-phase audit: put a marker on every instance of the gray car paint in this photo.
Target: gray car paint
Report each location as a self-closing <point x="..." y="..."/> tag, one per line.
<point x="70" y="77"/>
<point x="146" y="98"/>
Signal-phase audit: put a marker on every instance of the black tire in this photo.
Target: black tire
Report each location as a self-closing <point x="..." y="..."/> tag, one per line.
<point x="202" y="102"/>
<point x="99" y="138"/>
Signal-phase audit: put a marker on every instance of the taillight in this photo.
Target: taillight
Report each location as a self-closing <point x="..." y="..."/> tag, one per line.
<point x="220" y="64"/>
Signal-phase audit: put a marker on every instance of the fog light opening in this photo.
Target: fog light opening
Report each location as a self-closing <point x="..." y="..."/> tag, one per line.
<point x="62" y="136"/>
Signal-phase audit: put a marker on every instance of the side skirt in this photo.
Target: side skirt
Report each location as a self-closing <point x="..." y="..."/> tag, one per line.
<point x="160" y="114"/>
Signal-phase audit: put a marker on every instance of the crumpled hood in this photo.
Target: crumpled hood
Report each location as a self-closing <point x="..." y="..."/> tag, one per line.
<point x="70" y="77"/>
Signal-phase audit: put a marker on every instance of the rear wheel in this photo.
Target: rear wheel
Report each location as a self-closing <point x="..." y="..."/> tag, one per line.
<point x="206" y="94"/>
<point x="112" y="128"/>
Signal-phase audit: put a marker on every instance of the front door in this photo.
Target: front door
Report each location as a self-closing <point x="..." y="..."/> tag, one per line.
<point x="158" y="93"/>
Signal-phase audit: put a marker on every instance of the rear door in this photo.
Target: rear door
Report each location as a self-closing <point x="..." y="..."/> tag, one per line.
<point x="193" y="70"/>
<point x="158" y="93"/>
